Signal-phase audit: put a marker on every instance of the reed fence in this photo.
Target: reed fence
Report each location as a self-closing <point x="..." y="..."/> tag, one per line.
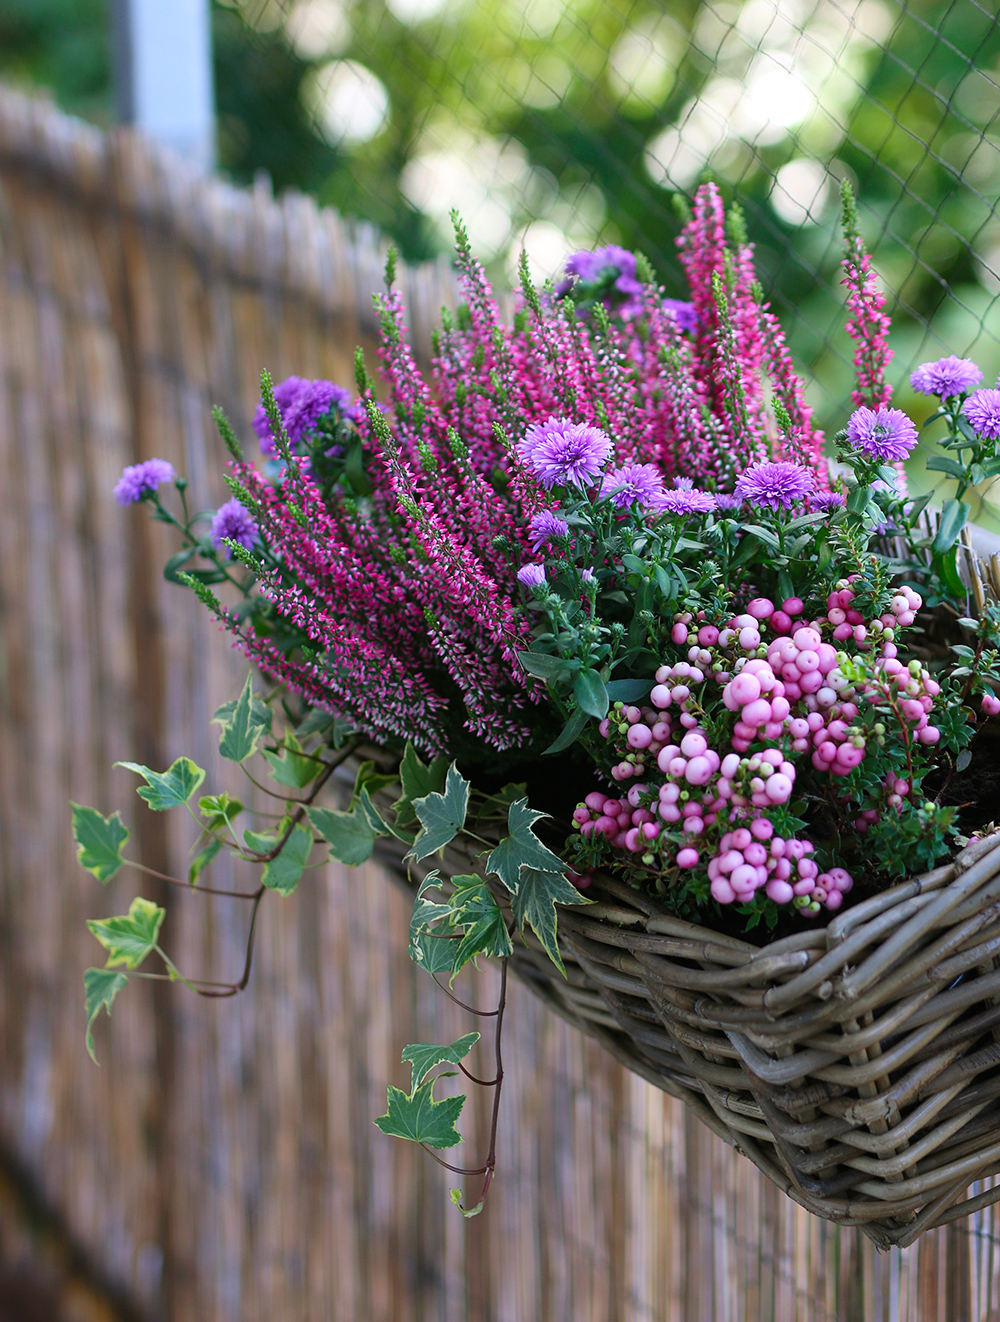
<point x="221" y="1165"/>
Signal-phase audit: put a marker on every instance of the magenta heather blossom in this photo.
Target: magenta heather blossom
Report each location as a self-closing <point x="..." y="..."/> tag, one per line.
<point x="233" y="520"/>
<point x="683" y="501"/>
<point x="946" y="377"/>
<point x="141" y="480"/>
<point x="827" y="500"/>
<point x="775" y="486"/>
<point x="983" y="411"/>
<point x="532" y="576"/>
<point x="633" y="484"/>
<point x="544" y="526"/>
<point x="884" y="434"/>
<point x="564" y="453"/>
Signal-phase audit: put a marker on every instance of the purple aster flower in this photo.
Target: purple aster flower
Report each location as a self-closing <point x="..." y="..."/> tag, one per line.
<point x="727" y="503"/>
<point x="684" y="314"/>
<point x="285" y="393"/>
<point x="774" y="485"/>
<point x="884" y="434"/>
<point x="532" y="576"/>
<point x="233" y="520"/>
<point x="544" y="526"/>
<point x="683" y="502"/>
<point x="633" y="484"/>
<point x="827" y="500"/>
<point x="564" y="453"/>
<point x="684" y="483"/>
<point x="946" y="377"/>
<point x="983" y="411"/>
<point x="141" y="480"/>
<point x="313" y="402"/>
<point x="589" y="576"/>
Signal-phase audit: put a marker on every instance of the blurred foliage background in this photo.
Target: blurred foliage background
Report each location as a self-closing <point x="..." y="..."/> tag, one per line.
<point x="559" y="124"/>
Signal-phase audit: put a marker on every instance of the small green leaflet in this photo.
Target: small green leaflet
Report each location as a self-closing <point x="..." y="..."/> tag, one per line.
<point x="424" y="1056"/>
<point x="371" y="779"/>
<point x="570" y="731"/>
<point x="100" y="987"/>
<point x="628" y="690"/>
<point x="202" y="859"/>
<point x="420" y="1118"/>
<point x="292" y="770"/>
<point x="243" y="729"/>
<point x="522" y="848"/>
<point x="167" y="789"/>
<point x="220" y="810"/>
<point x="544" y="665"/>
<point x="442" y="816"/>
<point x="349" y="835"/>
<point x="99" y="841"/>
<point x="129" y="939"/>
<point x="456" y="1197"/>
<point x="433" y="951"/>
<point x="478" y="913"/>
<point x="260" y="714"/>
<point x="534" y="902"/>
<point x="377" y="822"/>
<point x="417" y="780"/>
<point x="953" y="516"/>
<point x="282" y="872"/>
<point x="590" y="693"/>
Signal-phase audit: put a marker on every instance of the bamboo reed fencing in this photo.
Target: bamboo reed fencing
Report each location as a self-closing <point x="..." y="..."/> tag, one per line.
<point x="221" y="1165"/>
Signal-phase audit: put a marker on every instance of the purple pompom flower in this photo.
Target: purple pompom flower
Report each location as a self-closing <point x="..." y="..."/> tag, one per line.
<point x="587" y="267"/>
<point x="946" y="377"/>
<point x="774" y="485"/>
<point x="285" y="393"/>
<point x="233" y="520"/>
<point x="564" y="453"/>
<point x="684" y="314"/>
<point x="983" y="411"/>
<point x="532" y="576"/>
<point x="301" y="404"/>
<point x="884" y="434"/>
<point x="827" y="500"/>
<point x="141" y="480"/>
<point x="544" y="526"/>
<point x="726" y="502"/>
<point x="684" y="483"/>
<point x="633" y="484"/>
<point x="683" y="501"/>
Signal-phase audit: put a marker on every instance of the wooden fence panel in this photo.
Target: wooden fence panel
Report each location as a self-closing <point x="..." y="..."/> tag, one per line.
<point x="221" y="1164"/>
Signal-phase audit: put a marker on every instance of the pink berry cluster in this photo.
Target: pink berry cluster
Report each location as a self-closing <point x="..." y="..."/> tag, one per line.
<point x="703" y="783"/>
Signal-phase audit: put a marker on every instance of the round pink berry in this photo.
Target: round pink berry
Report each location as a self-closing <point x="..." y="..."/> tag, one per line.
<point x="990" y="704"/>
<point x="687" y="858"/>
<point x="778" y="788"/>
<point x="679" y="633"/>
<point x="760" y="608"/>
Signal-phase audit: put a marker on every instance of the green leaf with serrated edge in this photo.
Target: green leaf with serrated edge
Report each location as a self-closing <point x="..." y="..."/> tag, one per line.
<point x="534" y="903"/>
<point x="522" y="848"/>
<point x="590" y="694"/>
<point x="129" y="938"/>
<point x="420" y="1118"/>
<point x="628" y="690"/>
<point x="477" y="912"/>
<point x="283" y="872"/>
<point x="167" y="789"/>
<point x="241" y="733"/>
<point x="290" y="769"/>
<point x="417" y="779"/>
<point x="377" y="822"/>
<point x="100" y="987"/>
<point x="201" y="860"/>
<point x="424" y="1056"/>
<point x="219" y="809"/>
<point x="432" y="950"/>
<point x="348" y="834"/>
<point x="570" y="732"/>
<point x="99" y="841"/>
<point x="260" y="712"/>
<point x="441" y="816"/>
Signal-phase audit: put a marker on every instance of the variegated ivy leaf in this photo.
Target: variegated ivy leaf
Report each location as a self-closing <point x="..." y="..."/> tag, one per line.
<point x="424" y="1056"/>
<point x="441" y="816"/>
<point x="100" y="987"/>
<point x="167" y="789"/>
<point x="129" y="938"/>
<point x="99" y="841"/>
<point x="420" y="1118"/>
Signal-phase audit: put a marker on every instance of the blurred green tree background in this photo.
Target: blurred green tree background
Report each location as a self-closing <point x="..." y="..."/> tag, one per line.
<point x="567" y="123"/>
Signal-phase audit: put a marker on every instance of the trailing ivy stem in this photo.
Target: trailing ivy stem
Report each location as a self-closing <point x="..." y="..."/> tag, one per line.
<point x="189" y="885"/>
<point x="491" y="1156"/>
<point x="483" y="1014"/>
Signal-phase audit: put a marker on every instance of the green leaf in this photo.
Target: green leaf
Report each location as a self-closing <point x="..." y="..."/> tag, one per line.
<point x="177" y="561"/>
<point x="939" y="463"/>
<point x="424" y="1056"/>
<point x="377" y="822"/>
<point x="99" y="841"/>
<point x="534" y="903"/>
<point x="261" y="715"/>
<point x="100" y="987"/>
<point x="570" y="732"/>
<point x="542" y="664"/>
<point x="475" y="910"/>
<point x="349" y="835"/>
<point x="283" y="872"/>
<point x="522" y="848"/>
<point x="628" y="690"/>
<point x="291" y="770"/>
<point x="420" y="1118"/>
<point x="317" y="722"/>
<point x="167" y="789"/>
<point x="243" y="729"/>
<point x="433" y="951"/>
<point x="417" y="780"/>
<point x="441" y="816"/>
<point x="128" y="939"/>
<point x="456" y="1197"/>
<point x="220" y="810"/>
<point x="590" y="693"/>
<point x="764" y="535"/>
<point x="371" y="779"/>
<point x="953" y="516"/>
<point x="947" y="566"/>
<point x="992" y="467"/>
<point x="201" y="860"/>
<point x="857" y="501"/>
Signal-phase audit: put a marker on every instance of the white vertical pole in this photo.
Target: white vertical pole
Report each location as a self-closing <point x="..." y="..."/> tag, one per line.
<point x="163" y="73"/>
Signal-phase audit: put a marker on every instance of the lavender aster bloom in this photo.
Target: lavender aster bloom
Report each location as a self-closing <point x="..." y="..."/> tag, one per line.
<point x="946" y="377"/>
<point x="774" y="486"/>
<point x="588" y="576"/>
<point x="544" y="526"/>
<point x="983" y="411"/>
<point x="311" y="403"/>
<point x="565" y="453"/>
<point x="532" y="576"/>
<point x="233" y="520"/>
<point x="683" y="502"/>
<point x="886" y="434"/>
<point x="727" y="503"/>
<point x="141" y="480"/>
<point x="633" y="484"/>
<point x="827" y="500"/>
<point x="684" y="314"/>
<point x="684" y="483"/>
